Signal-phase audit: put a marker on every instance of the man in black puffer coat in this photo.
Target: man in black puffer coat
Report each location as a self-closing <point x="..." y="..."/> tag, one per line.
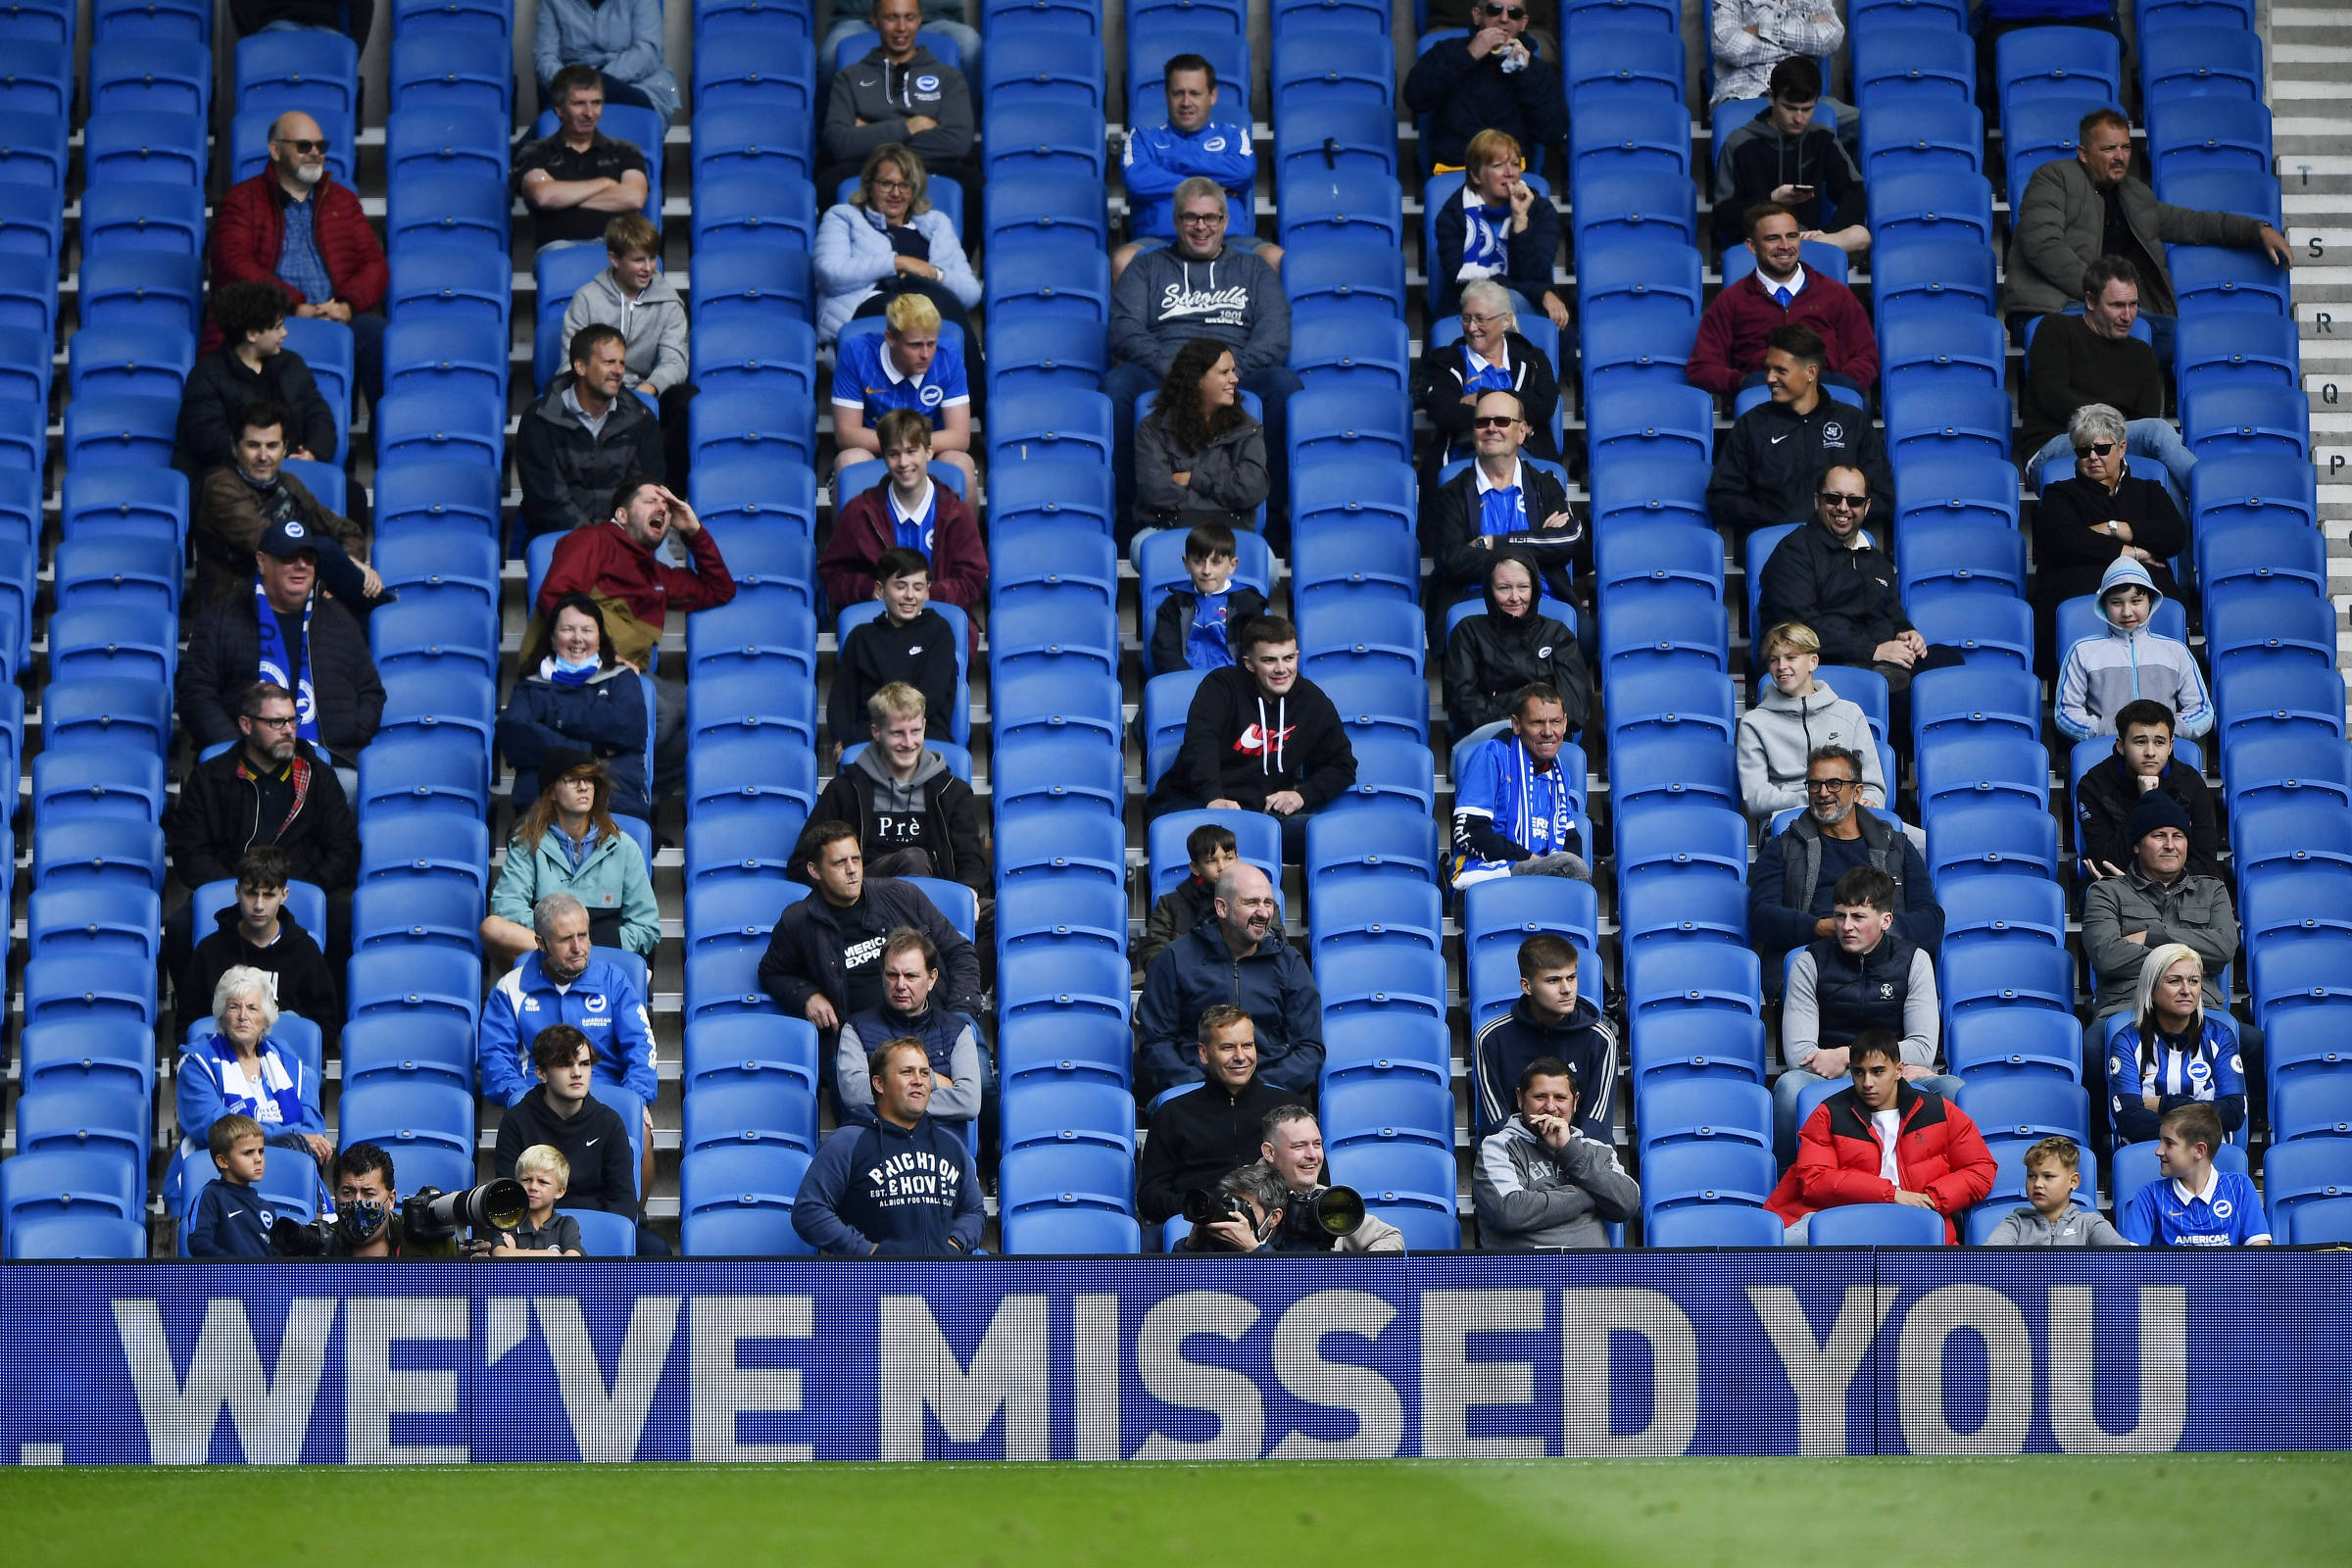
<point x="1196" y="1138"/>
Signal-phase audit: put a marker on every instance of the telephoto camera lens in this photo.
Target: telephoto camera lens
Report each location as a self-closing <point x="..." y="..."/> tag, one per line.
<point x="499" y="1204"/>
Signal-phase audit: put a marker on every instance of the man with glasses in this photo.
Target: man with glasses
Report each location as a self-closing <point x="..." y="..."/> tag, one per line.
<point x="1489" y="80"/>
<point x="1766" y="463"/>
<point x="1729" y="355"/>
<point x="1791" y="897"/>
<point x="1500" y="501"/>
<point x="574" y="180"/>
<point x="1200" y="287"/>
<point x="2078" y="360"/>
<point x="1491" y="357"/>
<point x="293" y="223"/>
<point x="1159" y="158"/>
<point x="1832" y="576"/>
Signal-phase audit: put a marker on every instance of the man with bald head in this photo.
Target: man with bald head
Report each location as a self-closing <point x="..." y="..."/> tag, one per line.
<point x="1237" y="955"/>
<point x="294" y="223"/>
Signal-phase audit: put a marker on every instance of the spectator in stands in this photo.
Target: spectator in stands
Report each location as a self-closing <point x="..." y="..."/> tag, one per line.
<point x="1210" y="850"/>
<point x="1543" y="1183"/>
<point x="1259" y="737"/>
<point x="948" y="17"/>
<point x="1790" y="894"/>
<point x="270" y="788"/>
<point x="1992" y="17"/>
<point x="906" y="510"/>
<point x="2130" y="660"/>
<point x="564" y="982"/>
<point x="618" y="563"/>
<point x="950" y="1041"/>
<point x="1883" y="1140"/>
<point x="637" y="300"/>
<point x="1781" y="156"/>
<point x="887" y="242"/>
<point x="290" y="636"/>
<point x="1833" y="576"/>
<point x="545" y="1176"/>
<point x="1200" y="456"/>
<point x="562" y="1112"/>
<point x="230" y="1222"/>
<point x="1499" y="231"/>
<point x="1796" y="713"/>
<point x="910" y="644"/>
<point x="2103" y="514"/>
<point x="367" y="1223"/>
<point x="902" y="1184"/>
<point x="1195" y="626"/>
<point x="1514" y="807"/>
<point x="1860" y="977"/>
<point x="351" y="17"/>
<point x="914" y="816"/>
<point x="1491" y="658"/>
<point x="900" y="93"/>
<point x="2079" y="362"/>
<point x="2157" y="900"/>
<point x="322" y="251"/>
<point x="1767" y="463"/>
<point x="567" y="841"/>
<point x="258" y="932"/>
<point x="1492" y="356"/>
<point x="1750" y="37"/>
<point x="1200" y="286"/>
<point x="1256" y="1225"/>
<point x="2111" y="790"/>
<point x="2172" y="1053"/>
<point x="824" y="959"/>
<point x="1194" y="1138"/>
<point x="2051" y="1216"/>
<point x="238" y="503"/>
<point x="2076" y="209"/>
<point x="584" y="435"/>
<point x="1492" y="80"/>
<point x="1159" y="158"/>
<point x="622" y="42"/>
<point x="1498" y="500"/>
<point x="252" y="364"/>
<point x="906" y="369"/>
<point x="1235" y="953"/>
<point x="1549" y="1022"/>
<point x="576" y="178"/>
<point x="573" y="694"/>
<point x="242" y="1068"/>
<point x="2192" y="1204"/>
<point x="1293" y="1150"/>
<point x="1729" y="352"/>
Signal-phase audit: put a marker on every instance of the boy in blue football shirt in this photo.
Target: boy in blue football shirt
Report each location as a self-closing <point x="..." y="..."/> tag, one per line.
<point x="1195" y="627"/>
<point x="904" y="366"/>
<point x="2194" y="1204"/>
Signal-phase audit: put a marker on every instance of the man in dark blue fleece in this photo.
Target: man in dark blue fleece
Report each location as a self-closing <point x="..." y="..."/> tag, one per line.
<point x="904" y="1186"/>
<point x="1236" y="954"/>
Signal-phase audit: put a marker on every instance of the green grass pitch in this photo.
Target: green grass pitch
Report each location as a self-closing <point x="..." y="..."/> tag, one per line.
<point x="1689" y="1513"/>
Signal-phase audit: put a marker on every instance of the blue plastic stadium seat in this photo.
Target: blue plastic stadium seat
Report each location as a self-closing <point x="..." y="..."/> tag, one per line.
<point x="1917" y="263"/>
<point x="1907" y="63"/>
<point x="1705" y="1173"/>
<point x="1714" y="1225"/>
<point x="450" y="69"/>
<point x="1357" y="206"/>
<point x="1876" y="1225"/>
<point x="1063" y="1111"/>
<point x="309" y="63"/>
<point x="1045" y="139"/>
<point x="426" y="1127"/>
<point x="464" y="206"/>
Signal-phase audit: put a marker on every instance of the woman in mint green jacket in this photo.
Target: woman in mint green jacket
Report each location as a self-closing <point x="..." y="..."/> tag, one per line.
<point x="569" y="843"/>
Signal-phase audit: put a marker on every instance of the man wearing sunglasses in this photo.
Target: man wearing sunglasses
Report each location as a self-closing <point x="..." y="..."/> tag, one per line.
<point x="295" y="224"/>
<point x="2078" y="360"/>
<point x="1500" y="501"/>
<point x="1830" y="575"/>
<point x="1791" y="900"/>
<point x="1489" y="80"/>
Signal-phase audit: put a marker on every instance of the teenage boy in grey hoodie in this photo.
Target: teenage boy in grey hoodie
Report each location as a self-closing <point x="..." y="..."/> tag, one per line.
<point x="637" y="300"/>
<point x="913" y="817"/>
<point x="1793" y="714"/>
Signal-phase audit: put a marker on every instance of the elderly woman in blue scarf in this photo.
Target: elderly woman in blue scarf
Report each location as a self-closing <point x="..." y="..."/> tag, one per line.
<point x="239" y="1069"/>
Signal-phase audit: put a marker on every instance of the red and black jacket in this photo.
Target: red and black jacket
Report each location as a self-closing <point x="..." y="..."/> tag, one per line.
<point x="1938" y="1152"/>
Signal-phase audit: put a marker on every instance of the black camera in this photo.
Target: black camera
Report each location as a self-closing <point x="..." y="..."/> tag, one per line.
<point x="431" y="1214"/>
<point x="1315" y="1221"/>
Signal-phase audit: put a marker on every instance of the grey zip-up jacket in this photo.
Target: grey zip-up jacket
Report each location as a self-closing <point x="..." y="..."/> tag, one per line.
<point x="885" y="96"/>
<point x="2060" y="226"/>
<point x="1781" y="731"/>
<point x="1531" y="1196"/>
<point x="1164" y="302"/>
<point x="2082" y="1227"/>
<point x="653" y="326"/>
<point x="2194" y="909"/>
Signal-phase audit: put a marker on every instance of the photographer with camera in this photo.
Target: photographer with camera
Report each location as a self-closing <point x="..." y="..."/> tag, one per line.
<point x="1242" y="1213"/>
<point x="368" y="1221"/>
<point x="1197" y="1137"/>
<point x="1293" y="1149"/>
<point x="1541" y="1183"/>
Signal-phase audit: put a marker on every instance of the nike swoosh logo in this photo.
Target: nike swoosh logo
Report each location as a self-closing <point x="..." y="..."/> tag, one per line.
<point x="1778" y="439"/>
<point x="590" y="1143"/>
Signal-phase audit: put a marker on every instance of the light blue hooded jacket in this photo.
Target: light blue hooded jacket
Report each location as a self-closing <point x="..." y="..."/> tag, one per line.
<point x="2102" y="673"/>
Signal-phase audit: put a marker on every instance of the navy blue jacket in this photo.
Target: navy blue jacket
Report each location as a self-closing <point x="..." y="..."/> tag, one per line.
<point x="230" y="1222"/>
<point x="1777" y="924"/>
<point x="1465" y="96"/>
<point x="605" y="715"/>
<point x="1585" y="1039"/>
<point x="1272" y="985"/>
<point x="888" y="1188"/>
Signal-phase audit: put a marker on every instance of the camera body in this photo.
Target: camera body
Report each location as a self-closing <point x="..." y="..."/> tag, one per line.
<point x="1308" y="1222"/>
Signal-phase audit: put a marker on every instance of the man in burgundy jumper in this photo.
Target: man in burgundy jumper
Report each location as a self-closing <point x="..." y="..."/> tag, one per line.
<point x="1729" y="352"/>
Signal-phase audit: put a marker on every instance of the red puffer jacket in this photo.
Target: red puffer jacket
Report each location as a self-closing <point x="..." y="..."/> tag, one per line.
<point x="1938" y="1152"/>
<point x="251" y="226"/>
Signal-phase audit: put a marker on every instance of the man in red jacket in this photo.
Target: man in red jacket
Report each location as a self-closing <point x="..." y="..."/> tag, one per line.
<point x="618" y="563"/>
<point x="1883" y="1140"/>
<point x="292" y="223"/>
<point x="1729" y="352"/>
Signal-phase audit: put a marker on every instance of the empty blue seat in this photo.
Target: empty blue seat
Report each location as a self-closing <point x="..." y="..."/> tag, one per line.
<point x="83" y="1236"/>
<point x="1993" y="632"/>
<point x="1911" y="62"/>
<point x="150" y="75"/>
<point x="1357" y="206"/>
<point x="1674" y="839"/>
<point x="450" y="277"/>
<point x="105" y="711"/>
<point x="753" y="424"/>
<point x="1877" y="1224"/>
<point x="1929" y="136"/>
<point x="2261" y="422"/>
<point x="1916" y="267"/>
<point x="1059" y="1176"/>
<point x="1394" y="1110"/>
<point x="1043" y="1110"/>
<point x="2198" y="136"/>
<point x="1972" y="420"/>
<point x="763" y="1110"/>
<point x="1989" y="1045"/>
<point x="425" y="1047"/>
<point x="1375" y="841"/>
<point x="1714" y="1225"/>
<point x="1062" y="979"/>
<point x="142" y="214"/>
<point x="2009" y="978"/>
<point x="1070" y="1231"/>
<point x="415" y="981"/>
<point x="2181" y="61"/>
<point x="122" y="429"/>
<point x="2061" y="63"/>
<point x="311" y="63"/>
<point x="1652" y="421"/>
<point x="1641" y="280"/>
<point x="425" y="1126"/>
<point x="86" y="1120"/>
<point x="460" y="207"/>
<point x="762" y="140"/>
<point x="2235" y="348"/>
<point x="1045" y="66"/>
<point x="131" y="145"/>
<point x="71" y="1181"/>
<point x="437" y="69"/>
<point x="1707" y="977"/>
<point x="150" y="291"/>
<point x="2219" y="274"/>
<point x="1045" y="139"/>
<point x="445" y="139"/>
<point x="1671" y="1111"/>
<point x="1705" y="1173"/>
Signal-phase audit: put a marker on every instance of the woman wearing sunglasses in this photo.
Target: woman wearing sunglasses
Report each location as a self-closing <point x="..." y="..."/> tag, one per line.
<point x="2105" y="512"/>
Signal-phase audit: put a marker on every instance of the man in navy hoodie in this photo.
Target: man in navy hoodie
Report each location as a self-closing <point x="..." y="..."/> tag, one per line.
<point x="905" y="1185"/>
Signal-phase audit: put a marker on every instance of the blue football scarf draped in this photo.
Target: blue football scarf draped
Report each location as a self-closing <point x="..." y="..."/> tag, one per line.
<point x="276" y="665"/>
<point x="244" y="1096"/>
<point x="1484" y="252"/>
<point x="1520" y="786"/>
<point x="564" y="672"/>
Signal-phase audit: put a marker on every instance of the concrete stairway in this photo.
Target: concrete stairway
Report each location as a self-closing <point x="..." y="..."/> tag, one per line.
<point x="2311" y="56"/>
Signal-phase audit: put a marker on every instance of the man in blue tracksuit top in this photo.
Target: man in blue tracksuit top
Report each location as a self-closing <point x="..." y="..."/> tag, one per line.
<point x="564" y="982"/>
<point x="905" y="1185"/>
<point x="1159" y="158"/>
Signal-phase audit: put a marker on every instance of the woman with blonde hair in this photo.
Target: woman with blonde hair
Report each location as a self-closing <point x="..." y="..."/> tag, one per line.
<point x="2171" y="1051"/>
<point x="889" y="239"/>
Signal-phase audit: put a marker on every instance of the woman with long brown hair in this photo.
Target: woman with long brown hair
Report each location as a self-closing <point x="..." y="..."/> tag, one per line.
<point x="1200" y="456"/>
